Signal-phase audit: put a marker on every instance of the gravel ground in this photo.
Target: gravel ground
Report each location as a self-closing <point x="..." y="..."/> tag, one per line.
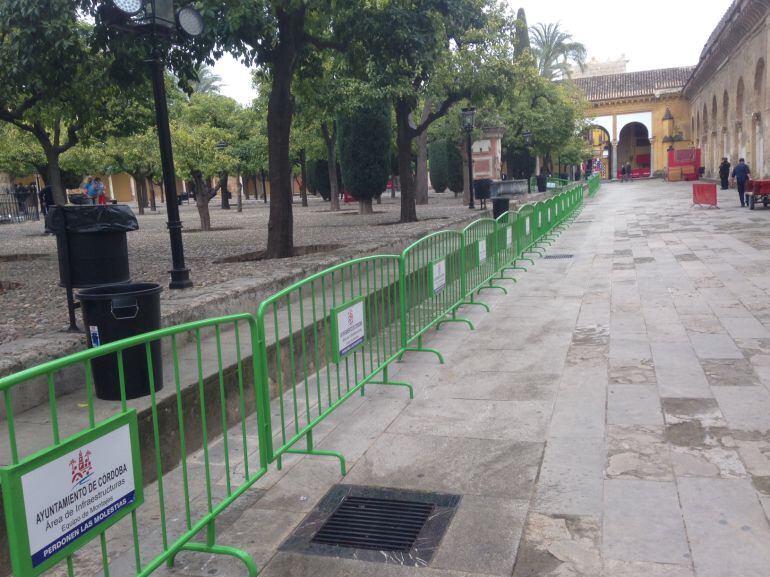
<point x="32" y="302"/>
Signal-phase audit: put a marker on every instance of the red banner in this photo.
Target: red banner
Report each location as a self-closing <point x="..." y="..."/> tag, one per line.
<point x="704" y="194"/>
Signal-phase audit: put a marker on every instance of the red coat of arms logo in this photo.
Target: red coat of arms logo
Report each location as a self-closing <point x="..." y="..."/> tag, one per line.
<point x="81" y="468"/>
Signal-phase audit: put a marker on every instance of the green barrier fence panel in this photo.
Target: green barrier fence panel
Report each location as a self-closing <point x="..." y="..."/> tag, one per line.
<point x="433" y="286"/>
<point x="331" y="334"/>
<point x="479" y="259"/>
<point x="541" y="223"/>
<point x="83" y="513"/>
<point x="526" y="238"/>
<point x="507" y="245"/>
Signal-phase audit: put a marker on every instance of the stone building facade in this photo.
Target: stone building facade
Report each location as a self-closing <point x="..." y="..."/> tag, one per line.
<point x="720" y="105"/>
<point x="727" y="91"/>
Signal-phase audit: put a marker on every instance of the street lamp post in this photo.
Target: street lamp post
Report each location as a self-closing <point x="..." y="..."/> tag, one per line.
<point x="527" y="145"/>
<point x="467" y="117"/>
<point x="223" y="187"/>
<point x="156" y="19"/>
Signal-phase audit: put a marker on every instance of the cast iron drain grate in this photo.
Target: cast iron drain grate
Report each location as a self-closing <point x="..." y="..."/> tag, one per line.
<point x="375" y="524"/>
<point x="379" y="524"/>
<point x="558" y="256"/>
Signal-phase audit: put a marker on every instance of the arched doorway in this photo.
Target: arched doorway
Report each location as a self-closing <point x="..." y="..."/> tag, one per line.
<point x="634" y="146"/>
<point x="600" y="143"/>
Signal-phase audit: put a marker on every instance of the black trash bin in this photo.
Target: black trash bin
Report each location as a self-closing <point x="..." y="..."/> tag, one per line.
<point x="500" y="206"/>
<point x="91" y="243"/>
<point x="115" y="312"/>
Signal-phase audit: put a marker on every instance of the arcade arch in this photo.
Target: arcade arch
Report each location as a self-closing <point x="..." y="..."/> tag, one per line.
<point x="634" y="146"/>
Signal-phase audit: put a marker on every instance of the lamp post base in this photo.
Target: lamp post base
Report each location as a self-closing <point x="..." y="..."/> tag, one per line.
<point x="180" y="279"/>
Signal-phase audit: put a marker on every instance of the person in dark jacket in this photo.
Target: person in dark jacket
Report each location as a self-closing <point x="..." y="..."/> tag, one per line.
<point x="724" y="172"/>
<point x="742" y="174"/>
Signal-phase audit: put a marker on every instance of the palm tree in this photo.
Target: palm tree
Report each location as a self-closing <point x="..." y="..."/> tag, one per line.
<point x="554" y="50"/>
<point x="207" y="82"/>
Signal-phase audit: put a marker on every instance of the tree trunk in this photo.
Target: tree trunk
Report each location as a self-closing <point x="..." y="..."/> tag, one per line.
<point x="245" y="188"/>
<point x="404" y="143"/>
<point x="421" y="178"/>
<point x="379" y="199"/>
<point x="153" y="207"/>
<point x="240" y="189"/>
<point x="303" y="171"/>
<point x="365" y="206"/>
<point x="141" y="193"/>
<point x="280" y="108"/>
<point x="331" y="155"/>
<point x="224" y="190"/>
<point x="201" y="200"/>
<point x="53" y="176"/>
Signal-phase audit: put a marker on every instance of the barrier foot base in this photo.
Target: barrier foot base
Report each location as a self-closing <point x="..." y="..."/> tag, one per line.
<point x="491" y="286"/>
<point x="397" y="383"/>
<point x="454" y="319"/>
<point x="510" y="278"/>
<point x="251" y="566"/>
<point x="316" y="453"/>
<point x="423" y="350"/>
<point x="532" y="251"/>
<point x="472" y="302"/>
<point x="518" y="260"/>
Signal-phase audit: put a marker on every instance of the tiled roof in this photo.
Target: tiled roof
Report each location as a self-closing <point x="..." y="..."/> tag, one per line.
<point x="634" y="84"/>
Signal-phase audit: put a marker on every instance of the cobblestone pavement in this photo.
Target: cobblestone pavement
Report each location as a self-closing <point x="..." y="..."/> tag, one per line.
<point x="37" y="305"/>
<point x="609" y="418"/>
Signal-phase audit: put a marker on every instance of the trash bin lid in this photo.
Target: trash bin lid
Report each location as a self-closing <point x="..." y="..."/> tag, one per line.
<point x="91" y="219"/>
<point x="108" y="292"/>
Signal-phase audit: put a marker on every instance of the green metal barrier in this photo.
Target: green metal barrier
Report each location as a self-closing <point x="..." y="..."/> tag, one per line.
<point x="506" y="242"/>
<point x="261" y="383"/>
<point x="479" y="260"/>
<point x="311" y="369"/>
<point x="168" y="522"/>
<point x="594" y="183"/>
<point x="433" y="286"/>
<point x="526" y="233"/>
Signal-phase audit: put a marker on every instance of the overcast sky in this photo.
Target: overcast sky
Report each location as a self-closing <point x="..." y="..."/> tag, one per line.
<point x="651" y="33"/>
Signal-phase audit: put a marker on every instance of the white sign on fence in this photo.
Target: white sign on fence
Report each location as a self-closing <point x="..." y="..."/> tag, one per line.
<point x="482" y="251"/>
<point x="351" y="331"/>
<point x="526" y="226"/>
<point x="73" y="495"/>
<point x="439" y="275"/>
<point x="509" y="237"/>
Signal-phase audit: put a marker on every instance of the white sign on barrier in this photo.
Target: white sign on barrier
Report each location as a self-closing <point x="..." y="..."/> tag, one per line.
<point x="526" y="226"/>
<point x="509" y="237"/>
<point x="539" y="219"/>
<point x="549" y="214"/>
<point x="439" y="275"/>
<point x="350" y="329"/>
<point x="74" y="495"/>
<point x="482" y="251"/>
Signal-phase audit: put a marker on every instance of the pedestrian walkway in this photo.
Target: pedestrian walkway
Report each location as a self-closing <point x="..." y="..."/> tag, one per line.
<point x="609" y="418"/>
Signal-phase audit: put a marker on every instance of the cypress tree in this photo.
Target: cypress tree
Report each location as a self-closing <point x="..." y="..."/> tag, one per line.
<point x="455" y="176"/>
<point x="439" y="175"/>
<point x="363" y="137"/>
<point x="522" y="34"/>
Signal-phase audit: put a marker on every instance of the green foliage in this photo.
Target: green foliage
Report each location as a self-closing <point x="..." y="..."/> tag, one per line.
<point x="19" y="152"/>
<point x="455" y="169"/>
<point x="318" y="177"/>
<point x="439" y="167"/>
<point x="364" y="145"/>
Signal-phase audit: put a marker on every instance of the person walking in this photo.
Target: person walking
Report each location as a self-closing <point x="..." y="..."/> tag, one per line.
<point x="622" y="173"/>
<point x="101" y="199"/>
<point x="724" y="172"/>
<point x="628" y="171"/>
<point x="742" y="174"/>
<point x="89" y="191"/>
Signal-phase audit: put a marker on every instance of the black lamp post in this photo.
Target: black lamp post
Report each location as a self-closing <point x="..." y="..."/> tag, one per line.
<point x="467" y="116"/>
<point x="223" y="187"/>
<point x="156" y="19"/>
<point x="527" y="144"/>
